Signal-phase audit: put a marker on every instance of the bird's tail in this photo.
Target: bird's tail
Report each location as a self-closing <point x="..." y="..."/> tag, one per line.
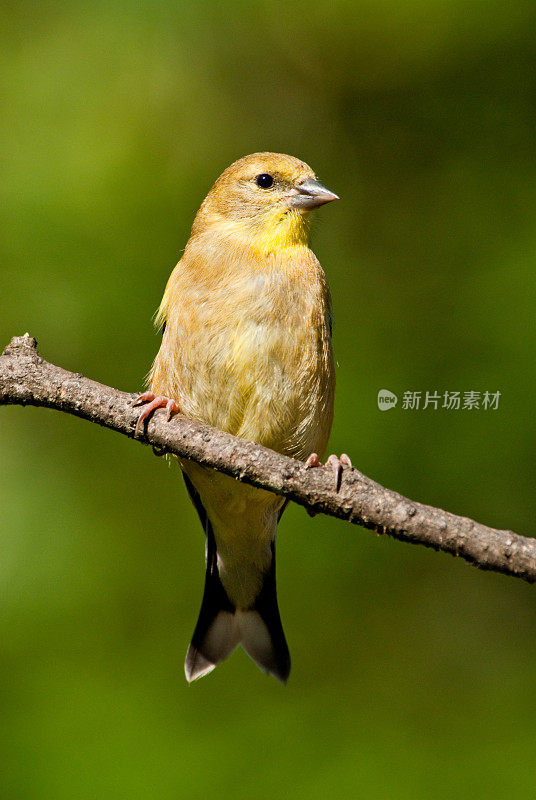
<point x="221" y="627"/>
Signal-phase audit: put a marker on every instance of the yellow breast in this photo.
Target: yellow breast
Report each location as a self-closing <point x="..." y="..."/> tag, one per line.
<point x="247" y="346"/>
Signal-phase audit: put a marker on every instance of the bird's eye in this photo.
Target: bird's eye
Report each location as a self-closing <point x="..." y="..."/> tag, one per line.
<point x="265" y="181"/>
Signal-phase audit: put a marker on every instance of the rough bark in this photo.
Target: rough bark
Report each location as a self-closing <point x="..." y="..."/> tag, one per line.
<point x="27" y="379"/>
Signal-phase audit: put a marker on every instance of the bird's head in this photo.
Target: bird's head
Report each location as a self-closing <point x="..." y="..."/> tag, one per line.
<point x="264" y="199"/>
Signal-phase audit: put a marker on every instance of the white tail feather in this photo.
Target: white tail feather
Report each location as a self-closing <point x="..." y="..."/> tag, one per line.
<point x="255" y="638"/>
<point x="228" y="630"/>
<point x="221" y="639"/>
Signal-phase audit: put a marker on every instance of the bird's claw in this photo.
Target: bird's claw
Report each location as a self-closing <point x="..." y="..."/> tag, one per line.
<point x="153" y="402"/>
<point x="337" y="465"/>
<point x="313" y="461"/>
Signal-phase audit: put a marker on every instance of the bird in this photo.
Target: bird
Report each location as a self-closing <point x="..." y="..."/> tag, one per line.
<point x="246" y="347"/>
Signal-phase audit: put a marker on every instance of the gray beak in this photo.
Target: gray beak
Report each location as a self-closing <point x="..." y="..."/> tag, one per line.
<point x="311" y="194"/>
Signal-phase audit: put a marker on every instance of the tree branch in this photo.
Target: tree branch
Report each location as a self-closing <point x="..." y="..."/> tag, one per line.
<point x="27" y="379"/>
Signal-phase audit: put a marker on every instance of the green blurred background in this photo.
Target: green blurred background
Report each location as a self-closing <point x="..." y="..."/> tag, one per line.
<point x="414" y="675"/>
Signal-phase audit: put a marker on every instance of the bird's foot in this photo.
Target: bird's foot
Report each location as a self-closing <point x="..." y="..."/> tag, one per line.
<point x="154" y="402"/>
<point x="313" y="461"/>
<point x="337" y="465"/>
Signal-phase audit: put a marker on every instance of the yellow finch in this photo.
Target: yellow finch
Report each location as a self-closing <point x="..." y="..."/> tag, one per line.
<point x="246" y="348"/>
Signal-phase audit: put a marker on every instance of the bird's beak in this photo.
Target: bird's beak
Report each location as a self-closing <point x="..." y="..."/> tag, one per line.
<point x="311" y="194"/>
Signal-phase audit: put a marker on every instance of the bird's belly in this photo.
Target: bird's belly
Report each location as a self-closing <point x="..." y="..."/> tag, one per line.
<point x="253" y="356"/>
<point x="266" y="384"/>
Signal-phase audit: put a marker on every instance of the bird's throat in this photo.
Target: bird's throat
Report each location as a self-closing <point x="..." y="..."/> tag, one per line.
<point x="280" y="229"/>
<point x="267" y="233"/>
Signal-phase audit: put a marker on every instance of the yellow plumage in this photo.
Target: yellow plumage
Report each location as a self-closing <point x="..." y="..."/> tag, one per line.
<point x="247" y="348"/>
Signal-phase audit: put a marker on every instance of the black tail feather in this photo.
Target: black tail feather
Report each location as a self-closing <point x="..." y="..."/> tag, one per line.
<point x="221" y="627"/>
